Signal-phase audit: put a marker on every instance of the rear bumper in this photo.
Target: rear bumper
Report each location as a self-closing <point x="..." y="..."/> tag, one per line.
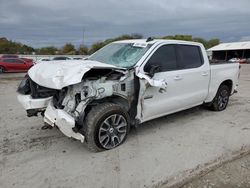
<point x="61" y="119"/>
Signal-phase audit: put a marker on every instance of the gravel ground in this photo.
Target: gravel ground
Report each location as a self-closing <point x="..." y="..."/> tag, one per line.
<point x="164" y="151"/>
<point x="230" y="175"/>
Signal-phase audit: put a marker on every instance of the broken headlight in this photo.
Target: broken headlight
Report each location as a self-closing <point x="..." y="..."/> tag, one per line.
<point x="24" y="86"/>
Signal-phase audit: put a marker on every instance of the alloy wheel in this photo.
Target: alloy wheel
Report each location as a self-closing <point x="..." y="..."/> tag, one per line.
<point x="223" y="99"/>
<point x="112" y="131"/>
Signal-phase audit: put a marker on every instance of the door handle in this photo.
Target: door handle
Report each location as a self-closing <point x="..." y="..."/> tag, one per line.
<point x="148" y="97"/>
<point x="204" y="74"/>
<point x="178" y="77"/>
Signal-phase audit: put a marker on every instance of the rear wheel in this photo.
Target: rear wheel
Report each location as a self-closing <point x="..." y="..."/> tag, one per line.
<point x="106" y="127"/>
<point x="221" y="99"/>
<point x="1" y="70"/>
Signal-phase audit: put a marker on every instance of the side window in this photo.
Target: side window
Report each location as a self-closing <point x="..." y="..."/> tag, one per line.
<point x="164" y="57"/>
<point x="189" y="56"/>
<point x="8" y="60"/>
<point x="18" y="61"/>
<point x="13" y="61"/>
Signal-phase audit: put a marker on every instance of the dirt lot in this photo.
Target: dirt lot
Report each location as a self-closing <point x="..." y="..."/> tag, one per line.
<point x="230" y="175"/>
<point x="164" y="151"/>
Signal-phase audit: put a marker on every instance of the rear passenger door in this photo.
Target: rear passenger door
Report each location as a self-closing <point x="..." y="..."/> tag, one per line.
<point x="194" y="74"/>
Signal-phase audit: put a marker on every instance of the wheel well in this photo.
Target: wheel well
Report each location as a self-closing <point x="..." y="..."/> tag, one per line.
<point x="113" y="99"/>
<point x="2" y="67"/>
<point x="229" y="84"/>
<point x="119" y="100"/>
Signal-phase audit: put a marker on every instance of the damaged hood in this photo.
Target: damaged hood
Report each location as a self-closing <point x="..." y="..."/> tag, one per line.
<point x="58" y="74"/>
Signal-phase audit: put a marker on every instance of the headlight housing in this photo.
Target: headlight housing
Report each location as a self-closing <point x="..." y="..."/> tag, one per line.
<point x="24" y="86"/>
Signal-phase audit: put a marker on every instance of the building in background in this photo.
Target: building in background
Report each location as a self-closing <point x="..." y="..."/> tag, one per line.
<point x="232" y="50"/>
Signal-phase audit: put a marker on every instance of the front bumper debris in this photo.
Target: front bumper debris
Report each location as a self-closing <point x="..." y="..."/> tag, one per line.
<point x="61" y="119"/>
<point x="29" y="103"/>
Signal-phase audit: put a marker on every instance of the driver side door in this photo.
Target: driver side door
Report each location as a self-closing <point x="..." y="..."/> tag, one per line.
<point x="157" y="101"/>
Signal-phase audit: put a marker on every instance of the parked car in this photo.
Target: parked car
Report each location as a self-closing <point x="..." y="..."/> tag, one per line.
<point x="9" y="56"/>
<point x="234" y="60"/>
<point x="243" y="61"/>
<point x="61" y="58"/>
<point x="125" y="84"/>
<point x="248" y="60"/>
<point x="77" y="58"/>
<point x="14" y="65"/>
<point x="27" y="59"/>
<point x="42" y="60"/>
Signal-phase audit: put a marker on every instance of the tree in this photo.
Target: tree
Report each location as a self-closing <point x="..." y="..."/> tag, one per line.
<point x="83" y="50"/>
<point x="68" y="49"/>
<point x="213" y="42"/>
<point x="96" y="46"/>
<point x="24" y="49"/>
<point x="50" y="50"/>
<point x="179" y="37"/>
<point x="207" y="44"/>
<point x="10" y="47"/>
<point x="201" y="40"/>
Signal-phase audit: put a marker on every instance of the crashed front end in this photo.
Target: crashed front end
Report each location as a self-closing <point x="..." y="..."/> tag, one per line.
<point x="66" y="108"/>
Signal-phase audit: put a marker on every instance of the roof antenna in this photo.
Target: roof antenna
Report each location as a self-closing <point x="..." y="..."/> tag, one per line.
<point x="149" y="39"/>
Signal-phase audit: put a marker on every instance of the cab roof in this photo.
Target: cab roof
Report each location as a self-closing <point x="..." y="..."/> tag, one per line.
<point x="158" y="41"/>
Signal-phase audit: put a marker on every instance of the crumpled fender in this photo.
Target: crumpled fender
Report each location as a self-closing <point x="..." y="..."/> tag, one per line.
<point x="59" y="74"/>
<point x="144" y="80"/>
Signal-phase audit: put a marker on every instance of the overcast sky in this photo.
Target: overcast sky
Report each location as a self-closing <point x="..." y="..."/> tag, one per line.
<point x="55" y="22"/>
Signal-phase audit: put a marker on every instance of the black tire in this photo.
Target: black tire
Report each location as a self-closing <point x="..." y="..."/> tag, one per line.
<point x="98" y="125"/>
<point x="221" y="99"/>
<point x="2" y="70"/>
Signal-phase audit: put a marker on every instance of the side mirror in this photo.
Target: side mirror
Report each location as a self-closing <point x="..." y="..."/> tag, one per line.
<point x="154" y="69"/>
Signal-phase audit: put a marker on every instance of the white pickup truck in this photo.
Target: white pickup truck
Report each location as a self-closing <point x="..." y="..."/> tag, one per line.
<point x="125" y="83"/>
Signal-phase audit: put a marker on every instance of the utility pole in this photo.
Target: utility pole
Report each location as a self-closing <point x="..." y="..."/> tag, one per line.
<point x="82" y="36"/>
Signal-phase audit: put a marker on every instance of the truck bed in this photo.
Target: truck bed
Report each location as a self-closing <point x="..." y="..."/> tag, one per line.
<point x="220" y="72"/>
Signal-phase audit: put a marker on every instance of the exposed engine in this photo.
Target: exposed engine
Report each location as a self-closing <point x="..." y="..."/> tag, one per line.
<point x="75" y="98"/>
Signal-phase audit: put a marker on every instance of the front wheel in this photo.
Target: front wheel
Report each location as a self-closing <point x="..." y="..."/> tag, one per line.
<point x="106" y="127"/>
<point x="221" y="99"/>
